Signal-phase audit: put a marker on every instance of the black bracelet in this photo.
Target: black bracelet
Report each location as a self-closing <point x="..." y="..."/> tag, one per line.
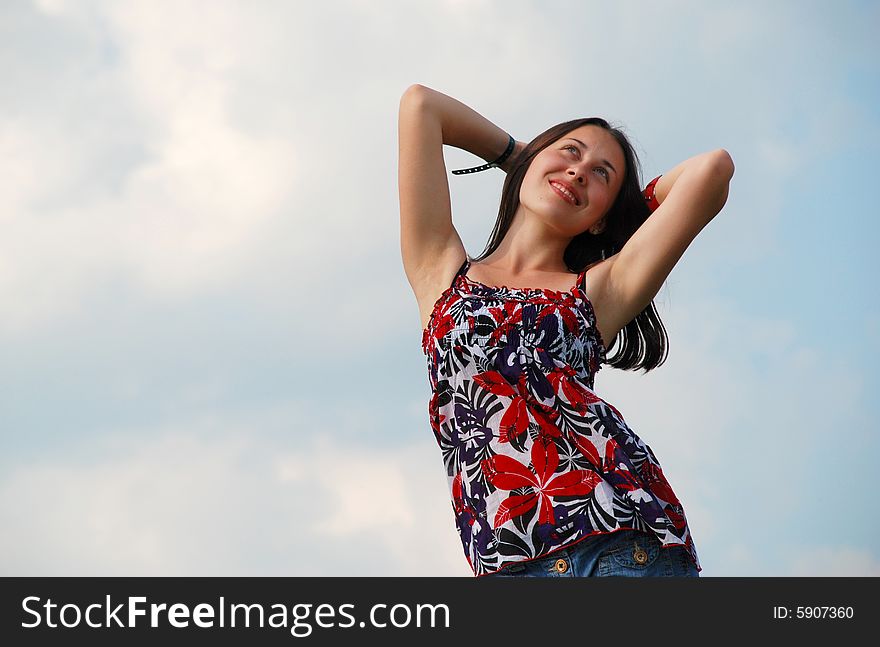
<point x="510" y="146"/>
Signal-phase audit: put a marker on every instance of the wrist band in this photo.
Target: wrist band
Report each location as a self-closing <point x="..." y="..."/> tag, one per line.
<point x="650" y="198"/>
<point x="498" y="162"/>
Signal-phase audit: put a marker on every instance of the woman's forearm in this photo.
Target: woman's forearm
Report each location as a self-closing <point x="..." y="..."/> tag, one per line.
<point x="716" y="166"/>
<point x="462" y="126"/>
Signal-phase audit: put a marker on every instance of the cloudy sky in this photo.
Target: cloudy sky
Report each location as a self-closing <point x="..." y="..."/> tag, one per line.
<point x="209" y="354"/>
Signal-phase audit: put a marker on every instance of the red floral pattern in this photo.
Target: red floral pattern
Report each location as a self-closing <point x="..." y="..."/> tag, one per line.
<point x="535" y="459"/>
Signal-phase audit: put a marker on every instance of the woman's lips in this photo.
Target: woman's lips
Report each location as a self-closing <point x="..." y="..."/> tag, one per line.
<point x="562" y="194"/>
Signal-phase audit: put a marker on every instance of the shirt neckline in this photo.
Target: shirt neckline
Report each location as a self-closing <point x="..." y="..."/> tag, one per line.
<point x="575" y="288"/>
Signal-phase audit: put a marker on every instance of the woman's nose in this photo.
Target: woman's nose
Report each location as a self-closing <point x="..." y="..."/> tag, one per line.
<point x="577" y="175"/>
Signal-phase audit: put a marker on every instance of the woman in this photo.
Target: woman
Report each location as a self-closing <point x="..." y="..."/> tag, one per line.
<point x="546" y="477"/>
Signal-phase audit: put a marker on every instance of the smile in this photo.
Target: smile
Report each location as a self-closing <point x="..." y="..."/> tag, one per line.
<point x="564" y="193"/>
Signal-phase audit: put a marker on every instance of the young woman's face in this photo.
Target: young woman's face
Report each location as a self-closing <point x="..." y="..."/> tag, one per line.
<point x="587" y="162"/>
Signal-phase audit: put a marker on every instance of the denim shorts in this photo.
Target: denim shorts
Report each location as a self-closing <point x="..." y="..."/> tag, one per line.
<point x="622" y="553"/>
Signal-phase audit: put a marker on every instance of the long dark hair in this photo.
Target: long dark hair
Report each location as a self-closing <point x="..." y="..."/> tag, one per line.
<point x="643" y="341"/>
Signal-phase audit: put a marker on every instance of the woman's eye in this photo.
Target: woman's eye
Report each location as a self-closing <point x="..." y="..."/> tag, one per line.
<point x="573" y="148"/>
<point x="604" y="171"/>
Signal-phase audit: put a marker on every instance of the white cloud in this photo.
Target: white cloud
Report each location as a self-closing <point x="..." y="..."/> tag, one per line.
<point x="211" y="498"/>
<point x="186" y="217"/>
<point x="245" y="166"/>
<point x="397" y="498"/>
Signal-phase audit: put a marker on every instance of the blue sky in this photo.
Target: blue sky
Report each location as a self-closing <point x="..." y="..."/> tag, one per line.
<point x="209" y="354"/>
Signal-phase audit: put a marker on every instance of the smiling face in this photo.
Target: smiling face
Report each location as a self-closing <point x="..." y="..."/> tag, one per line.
<point x="571" y="184"/>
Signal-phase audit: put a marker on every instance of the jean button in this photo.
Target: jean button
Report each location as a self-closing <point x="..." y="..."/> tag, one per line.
<point x="561" y="566"/>
<point x="640" y="556"/>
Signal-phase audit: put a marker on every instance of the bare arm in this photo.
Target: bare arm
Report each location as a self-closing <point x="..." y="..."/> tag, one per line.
<point x="668" y="179"/>
<point x="430" y="246"/>
<point x="690" y="195"/>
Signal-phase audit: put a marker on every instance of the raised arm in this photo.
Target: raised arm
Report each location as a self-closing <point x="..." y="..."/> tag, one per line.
<point x="429" y="244"/>
<point x="690" y="195"/>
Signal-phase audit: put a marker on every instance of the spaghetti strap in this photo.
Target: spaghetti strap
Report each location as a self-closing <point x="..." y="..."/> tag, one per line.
<point x="581" y="281"/>
<point x="582" y="277"/>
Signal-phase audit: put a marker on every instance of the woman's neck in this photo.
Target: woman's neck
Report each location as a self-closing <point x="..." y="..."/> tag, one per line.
<point x="529" y="247"/>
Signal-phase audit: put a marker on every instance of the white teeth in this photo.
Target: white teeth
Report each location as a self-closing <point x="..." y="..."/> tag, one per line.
<point x="565" y="191"/>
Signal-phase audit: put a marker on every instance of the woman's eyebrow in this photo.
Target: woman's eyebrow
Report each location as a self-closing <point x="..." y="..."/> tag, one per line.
<point x="605" y="162"/>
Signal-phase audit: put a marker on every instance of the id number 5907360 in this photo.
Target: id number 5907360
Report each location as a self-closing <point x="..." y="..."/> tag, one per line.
<point x="824" y="612"/>
<point x="813" y="612"/>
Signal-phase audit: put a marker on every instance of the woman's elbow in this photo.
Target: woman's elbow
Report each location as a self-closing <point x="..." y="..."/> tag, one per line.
<point x="720" y="163"/>
<point x="416" y="93"/>
<point x="720" y="169"/>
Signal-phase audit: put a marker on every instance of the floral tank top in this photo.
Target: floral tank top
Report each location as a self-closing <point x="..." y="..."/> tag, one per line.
<point x="535" y="460"/>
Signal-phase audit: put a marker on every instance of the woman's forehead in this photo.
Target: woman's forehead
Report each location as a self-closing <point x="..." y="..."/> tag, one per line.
<point x="593" y="137"/>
